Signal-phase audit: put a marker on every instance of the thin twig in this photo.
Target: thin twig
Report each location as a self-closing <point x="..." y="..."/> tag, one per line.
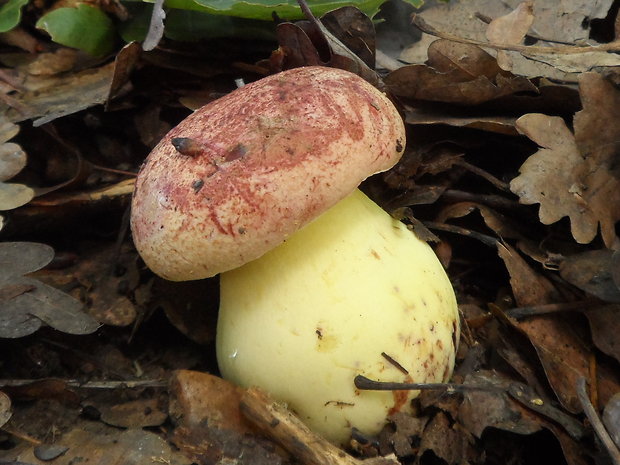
<point x="22" y="436"/>
<point x="90" y="384"/>
<point x="524" y="312"/>
<point x="486" y="240"/>
<point x="367" y="384"/>
<point x="491" y="200"/>
<point x="114" y="171"/>
<point x="483" y="174"/>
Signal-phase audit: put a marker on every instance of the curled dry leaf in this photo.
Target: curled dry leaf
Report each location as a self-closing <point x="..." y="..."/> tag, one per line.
<point x="355" y="30"/>
<point x="491" y="123"/>
<point x="456" y="73"/>
<point x="343" y="39"/>
<point x="576" y="175"/>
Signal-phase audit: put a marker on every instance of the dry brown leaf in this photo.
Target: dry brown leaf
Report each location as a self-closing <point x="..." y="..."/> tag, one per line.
<point x="402" y="430"/>
<point x="138" y="413"/>
<point x="567" y="181"/>
<point x="98" y="445"/>
<point x="47" y="98"/>
<point x="563" y="355"/>
<point x="456" y="73"/>
<point x="482" y="409"/>
<point x="546" y="177"/>
<point x="591" y="271"/>
<point x="605" y="327"/>
<point x="500" y="124"/>
<point x="209" y="425"/>
<point x="510" y="29"/>
<point x="598" y="138"/>
<point x="559" y="340"/>
<point x="446" y="439"/>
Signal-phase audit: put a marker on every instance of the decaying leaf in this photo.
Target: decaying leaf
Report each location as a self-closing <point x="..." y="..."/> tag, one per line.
<point x="576" y="175"/>
<point x="28" y="303"/>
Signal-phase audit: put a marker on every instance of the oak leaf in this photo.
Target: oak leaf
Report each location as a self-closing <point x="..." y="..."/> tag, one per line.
<point x="576" y="175"/>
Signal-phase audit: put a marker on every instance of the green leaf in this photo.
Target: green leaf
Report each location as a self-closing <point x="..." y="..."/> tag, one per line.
<point x="288" y="9"/>
<point x="11" y="14"/>
<point x="264" y="9"/>
<point x="85" y="27"/>
<point x="191" y="25"/>
<point x="419" y="3"/>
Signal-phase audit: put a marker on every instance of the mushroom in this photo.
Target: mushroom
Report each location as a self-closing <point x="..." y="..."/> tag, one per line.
<point x="318" y="283"/>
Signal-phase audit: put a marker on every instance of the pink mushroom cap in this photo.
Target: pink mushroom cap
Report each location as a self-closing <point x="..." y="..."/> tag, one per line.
<point x="241" y="174"/>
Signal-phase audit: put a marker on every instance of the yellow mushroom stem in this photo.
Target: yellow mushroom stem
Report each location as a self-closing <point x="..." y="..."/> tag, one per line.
<point x="353" y="292"/>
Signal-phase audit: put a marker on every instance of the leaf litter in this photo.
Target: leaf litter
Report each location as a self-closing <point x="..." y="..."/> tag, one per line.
<point x="512" y="163"/>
